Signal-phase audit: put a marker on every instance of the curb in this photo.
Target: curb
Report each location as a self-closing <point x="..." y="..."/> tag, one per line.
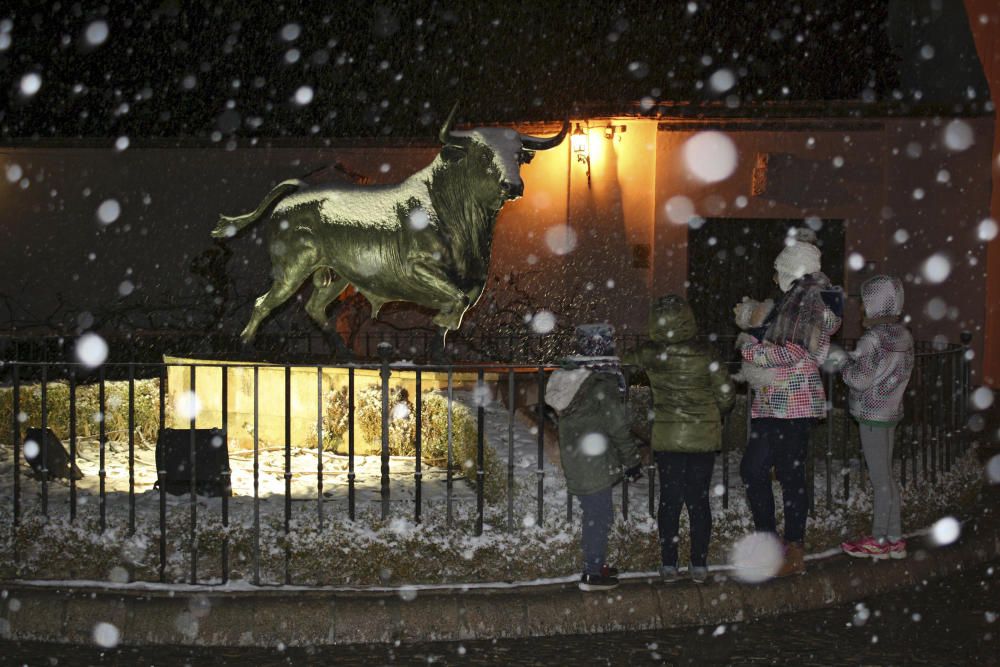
<point x="68" y="614"/>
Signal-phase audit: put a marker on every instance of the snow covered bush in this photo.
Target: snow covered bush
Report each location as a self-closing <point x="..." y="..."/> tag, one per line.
<point x="434" y="431"/>
<point x="88" y="409"/>
<point x="368" y="412"/>
<point x="336" y="411"/>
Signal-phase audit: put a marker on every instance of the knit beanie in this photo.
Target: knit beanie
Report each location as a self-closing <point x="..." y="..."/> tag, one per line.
<point x="799" y="258"/>
<point x="595" y="340"/>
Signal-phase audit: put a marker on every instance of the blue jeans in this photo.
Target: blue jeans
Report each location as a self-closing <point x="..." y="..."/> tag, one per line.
<point x="597" y="517"/>
<point x="784" y="445"/>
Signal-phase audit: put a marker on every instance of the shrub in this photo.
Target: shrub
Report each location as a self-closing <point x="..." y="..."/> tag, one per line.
<point x="434" y="442"/>
<point x="434" y="430"/>
<point x="335" y="418"/>
<point x="147" y="409"/>
<point x="368" y="412"/>
<point x="402" y="431"/>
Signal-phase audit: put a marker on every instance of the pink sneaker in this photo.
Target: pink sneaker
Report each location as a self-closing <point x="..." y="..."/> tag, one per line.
<point x="867" y="547"/>
<point x="897" y="549"/>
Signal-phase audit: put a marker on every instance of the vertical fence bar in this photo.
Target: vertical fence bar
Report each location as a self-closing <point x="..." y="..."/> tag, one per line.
<point x="384" y="351"/>
<point x="921" y="418"/>
<point x="829" y="439"/>
<point x="449" y="481"/>
<point x="811" y="473"/>
<point x="131" y="448"/>
<point x="102" y="443"/>
<point x="419" y="472"/>
<point x="16" y="439"/>
<point x="227" y="486"/>
<point x="903" y="431"/>
<point x="963" y="403"/>
<point x="846" y="448"/>
<point x="72" y="443"/>
<point x="193" y="468"/>
<point x="511" y="397"/>
<point x="480" y="448"/>
<point x="651" y="473"/>
<point x="726" y="431"/>
<point x="161" y="475"/>
<point x="350" y="440"/>
<point x="932" y="408"/>
<point x="288" y="474"/>
<point x="256" y="475"/>
<point x="950" y="421"/>
<point x="749" y="428"/>
<point x="319" y="446"/>
<point x="540" y="471"/>
<point x="43" y="445"/>
<point x="625" y="487"/>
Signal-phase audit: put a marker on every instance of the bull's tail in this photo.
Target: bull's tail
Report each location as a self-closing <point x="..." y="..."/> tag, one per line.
<point x="230" y="226"/>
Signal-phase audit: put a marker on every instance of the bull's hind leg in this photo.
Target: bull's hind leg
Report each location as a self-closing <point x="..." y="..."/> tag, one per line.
<point x="286" y="283"/>
<point x="326" y="291"/>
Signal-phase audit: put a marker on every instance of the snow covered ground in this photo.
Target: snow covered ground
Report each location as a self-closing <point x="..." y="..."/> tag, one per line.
<point x="431" y="552"/>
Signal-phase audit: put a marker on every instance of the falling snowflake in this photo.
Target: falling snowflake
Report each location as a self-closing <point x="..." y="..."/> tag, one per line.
<point x="945" y="531"/>
<point x="91" y="350"/>
<point x="936" y="268"/>
<point x="958" y="135"/>
<point x="108" y="211"/>
<point x="31" y="83"/>
<point x="96" y="33"/>
<point x="106" y="635"/>
<point x="593" y="444"/>
<point x="710" y="156"/>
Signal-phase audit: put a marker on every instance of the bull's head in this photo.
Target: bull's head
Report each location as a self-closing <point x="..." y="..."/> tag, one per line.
<point x="500" y="151"/>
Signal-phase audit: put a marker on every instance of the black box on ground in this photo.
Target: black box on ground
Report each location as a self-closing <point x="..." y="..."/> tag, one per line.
<point x="173" y="457"/>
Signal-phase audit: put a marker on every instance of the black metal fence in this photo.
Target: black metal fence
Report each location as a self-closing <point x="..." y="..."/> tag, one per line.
<point x="512" y="345"/>
<point x="929" y="439"/>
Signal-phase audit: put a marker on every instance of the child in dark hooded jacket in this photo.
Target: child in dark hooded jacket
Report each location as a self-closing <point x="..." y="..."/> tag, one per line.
<point x="877" y="372"/>
<point x="595" y="445"/>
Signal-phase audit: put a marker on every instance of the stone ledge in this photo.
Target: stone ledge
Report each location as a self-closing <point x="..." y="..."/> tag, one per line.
<point x="309" y="617"/>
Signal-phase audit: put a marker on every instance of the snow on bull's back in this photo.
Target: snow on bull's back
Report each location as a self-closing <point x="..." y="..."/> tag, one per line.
<point x="371" y="206"/>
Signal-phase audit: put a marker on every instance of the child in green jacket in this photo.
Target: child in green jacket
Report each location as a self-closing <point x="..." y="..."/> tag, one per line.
<point x="595" y="444"/>
<point x="691" y="390"/>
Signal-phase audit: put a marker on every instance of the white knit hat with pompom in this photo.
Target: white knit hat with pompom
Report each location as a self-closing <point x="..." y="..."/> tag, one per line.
<point x="799" y="258"/>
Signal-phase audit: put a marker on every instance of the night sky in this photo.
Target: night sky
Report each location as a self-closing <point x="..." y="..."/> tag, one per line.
<point x="188" y="69"/>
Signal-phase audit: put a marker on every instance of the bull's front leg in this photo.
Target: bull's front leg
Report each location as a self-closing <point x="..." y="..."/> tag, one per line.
<point x="441" y="293"/>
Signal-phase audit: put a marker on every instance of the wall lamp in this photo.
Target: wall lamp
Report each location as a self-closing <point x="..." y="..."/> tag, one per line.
<point x="611" y="131"/>
<point x="580" y="143"/>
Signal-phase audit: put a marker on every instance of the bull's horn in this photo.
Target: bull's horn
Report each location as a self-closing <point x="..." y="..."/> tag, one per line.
<point x="445" y="134"/>
<point x="541" y="144"/>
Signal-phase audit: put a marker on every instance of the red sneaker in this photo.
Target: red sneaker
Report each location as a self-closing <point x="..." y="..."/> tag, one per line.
<point x="897" y="549"/>
<point x="867" y="547"/>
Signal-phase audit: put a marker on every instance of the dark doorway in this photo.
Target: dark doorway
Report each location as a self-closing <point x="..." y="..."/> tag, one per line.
<point x="729" y="258"/>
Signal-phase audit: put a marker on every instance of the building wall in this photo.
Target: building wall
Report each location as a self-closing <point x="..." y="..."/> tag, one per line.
<point x="55" y="251"/>
<point x="733" y="197"/>
<point x="984" y="19"/>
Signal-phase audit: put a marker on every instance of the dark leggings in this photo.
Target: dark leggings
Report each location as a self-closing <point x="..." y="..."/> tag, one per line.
<point x="685" y="480"/>
<point x="784" y="445"/>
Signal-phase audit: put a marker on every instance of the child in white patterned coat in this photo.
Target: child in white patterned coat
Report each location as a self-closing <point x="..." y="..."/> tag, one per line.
<point x="877" y="372"/>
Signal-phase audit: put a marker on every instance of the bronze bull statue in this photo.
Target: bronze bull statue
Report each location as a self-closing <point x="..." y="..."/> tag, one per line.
<point x="425" y="241"/>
